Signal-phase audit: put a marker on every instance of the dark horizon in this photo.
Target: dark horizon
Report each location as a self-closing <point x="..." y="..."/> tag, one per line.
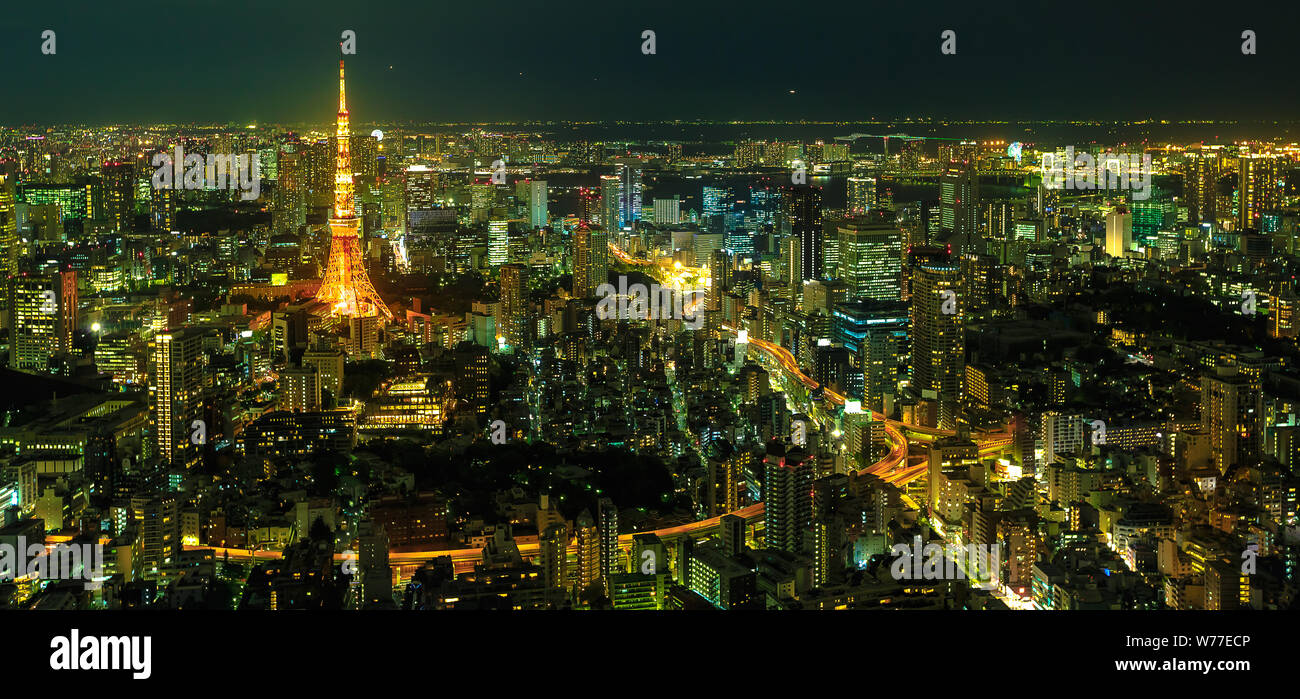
<point x="507" y="62"/>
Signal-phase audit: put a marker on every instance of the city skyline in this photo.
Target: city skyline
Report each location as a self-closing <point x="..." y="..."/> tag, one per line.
<point x="953" y="364"/>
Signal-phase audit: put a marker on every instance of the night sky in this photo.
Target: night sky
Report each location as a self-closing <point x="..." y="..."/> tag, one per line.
<point x="152" y="61"/>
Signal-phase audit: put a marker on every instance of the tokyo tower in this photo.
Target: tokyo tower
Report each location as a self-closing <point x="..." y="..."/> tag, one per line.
<point x="346" y="286"/>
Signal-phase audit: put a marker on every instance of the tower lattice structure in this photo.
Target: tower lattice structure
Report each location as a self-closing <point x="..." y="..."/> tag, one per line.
<point x="346" y="286"/>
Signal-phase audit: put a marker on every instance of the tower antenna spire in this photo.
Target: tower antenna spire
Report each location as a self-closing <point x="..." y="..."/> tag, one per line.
<point x="346" y="286"/>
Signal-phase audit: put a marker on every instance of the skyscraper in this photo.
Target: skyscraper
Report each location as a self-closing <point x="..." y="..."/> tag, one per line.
<point x="938" y="342"/>
<point x="1258" y="188"/>
<point x="1119" y="232"/>
<point x="1200" y="186"/>
<point x="667" y="211"/>
<point x="9" y="229"/>
<point x="610" y="186"/>
<point x="870" y="260"/>
<point x="629" y="195"/>
<point x="804" y="207"/>
<point x="346" y="286"/>
<point x="513" y="323"/>
<point x="590" y="260"/>
<point x="959" y="197"/>
<point x="175" y="394"/>
<point x="43" y="316"/>
<point x="537" y="205"/>
<point x="119" y="195"/>
<point x="862" y="194"/>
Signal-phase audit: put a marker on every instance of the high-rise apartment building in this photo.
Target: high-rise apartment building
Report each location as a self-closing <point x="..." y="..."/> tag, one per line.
<point x="787" y="496"/>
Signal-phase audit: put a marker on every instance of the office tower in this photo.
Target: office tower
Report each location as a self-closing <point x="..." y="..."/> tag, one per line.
<point x="288" y="330"/>
<point x="1259" y="190"/>
<point x="43" y="316"/>
<point x="1200" y="186"/>
<point x="472" y="376"/>
<point x="871" y="260"/>
<point x="362" y="341"/>
<point x="346" y="287"/>
<point x="704" y="245"/>
<point x="1232" y="413"/>
<point x="629" y="193"/>
<point x="959" y="197"/>
<point x="538" y="216"/>
<point x="804" y="208"/>
<point x="1284" y="308"/>
<point x="793" y="264"/>
<point x="119" y="195"/>
<point x="590" y="260"/>
<point x="787" y="496"/>
<point x="300" y="390"/>
<point x="862" y="195"/>
<point x="721" y="265"/>
<point x="372" y="564"/>
<point x="365" y="155"/>
<point x="880" y="359"/>
<point x="1119" y="232"/>
<point x="513" y="322"/>
<point x="157" y="518"/>
<point x="610" y="188"/>
<point x="421" y="190"/>
<point x="498" y="242"/>
<point x="1152" y="215"/>
<point x="328" y="363"/>
<point x="863" y="435"/>
<point x="938" y="342"/>
<point x="668" y="211"/>
<point x="9" y="249"/>
<point x="289" y="209"/>
<point x="175" y="394"/>
<point x="714" y="201"/>
<point x="610" y="553"/>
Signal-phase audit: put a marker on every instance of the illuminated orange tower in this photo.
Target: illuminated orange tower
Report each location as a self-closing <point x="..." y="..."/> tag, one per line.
<point x="346" y="286"/>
